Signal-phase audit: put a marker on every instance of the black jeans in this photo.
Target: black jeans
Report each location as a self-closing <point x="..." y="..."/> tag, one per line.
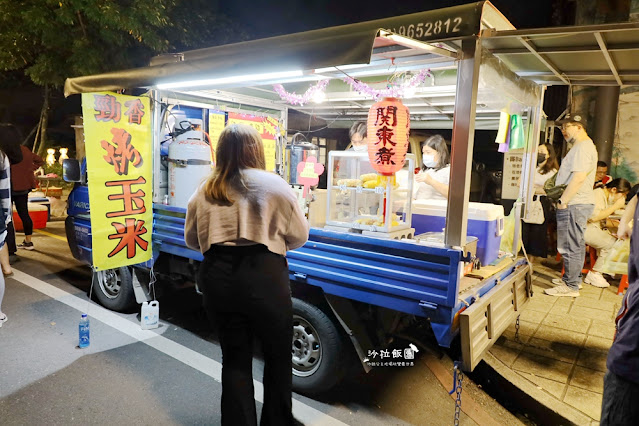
<point x="21" y="201"/>
<point x="620" y="401"/>
<point x="247" y="294"/>
<point x="535" y="236"/>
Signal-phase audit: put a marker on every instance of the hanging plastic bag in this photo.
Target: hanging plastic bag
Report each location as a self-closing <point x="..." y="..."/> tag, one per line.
<point x="617" y="260"/>
<point x="536" y="213"/>
<point x="507" y="237"/>
<point x="517" y="139"/>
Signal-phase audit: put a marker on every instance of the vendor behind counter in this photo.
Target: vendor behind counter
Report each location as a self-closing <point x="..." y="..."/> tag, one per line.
<point x="432" y="181"/>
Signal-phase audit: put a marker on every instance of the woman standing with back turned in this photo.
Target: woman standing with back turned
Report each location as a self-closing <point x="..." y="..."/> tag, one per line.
<point x="244" y="219"/>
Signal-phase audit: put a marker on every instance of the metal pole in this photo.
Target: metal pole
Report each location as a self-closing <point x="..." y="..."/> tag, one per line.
<point x="527" y="188"/>
<point x="462" y="143"/>
<point x="606" y="109"/>
<point x="156" y="122"/>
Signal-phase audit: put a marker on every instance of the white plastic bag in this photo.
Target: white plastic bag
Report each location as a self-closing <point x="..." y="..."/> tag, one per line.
<point x="617" y="260"/>
<point x="536" y="216"/>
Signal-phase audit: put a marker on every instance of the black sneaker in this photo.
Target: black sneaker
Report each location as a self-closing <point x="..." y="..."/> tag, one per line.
<point x="25" y="245"/>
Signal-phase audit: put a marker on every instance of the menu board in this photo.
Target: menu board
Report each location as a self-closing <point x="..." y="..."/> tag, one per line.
<point x="513" y="169"/>
<point x="267" y="127"/>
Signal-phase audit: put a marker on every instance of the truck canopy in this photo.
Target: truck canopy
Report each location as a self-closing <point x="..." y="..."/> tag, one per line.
<point x="479" y="65"/>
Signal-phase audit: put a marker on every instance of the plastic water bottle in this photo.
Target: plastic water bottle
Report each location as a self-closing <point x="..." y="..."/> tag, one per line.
<point x="84" y="339"/>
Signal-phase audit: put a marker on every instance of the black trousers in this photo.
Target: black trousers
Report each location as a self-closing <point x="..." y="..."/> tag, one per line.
<point x="247" y="294"/>
<point x="535" y="236"/>
<point x="21" y="201"/>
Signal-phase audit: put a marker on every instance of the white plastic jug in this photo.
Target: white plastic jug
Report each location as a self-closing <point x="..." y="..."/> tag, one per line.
<point x="150" y="316"/>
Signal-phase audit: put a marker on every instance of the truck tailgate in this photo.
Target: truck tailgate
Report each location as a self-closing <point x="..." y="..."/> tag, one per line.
<point x="487" y="318"/>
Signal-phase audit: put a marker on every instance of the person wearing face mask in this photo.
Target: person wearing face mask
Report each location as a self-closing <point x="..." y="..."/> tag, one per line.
<point x="432" y="180"/>
<point x="610" y="198"/>
<point x="575" y="205"/>
<point x="535" y="236"/>
<point x="358" y="136"/>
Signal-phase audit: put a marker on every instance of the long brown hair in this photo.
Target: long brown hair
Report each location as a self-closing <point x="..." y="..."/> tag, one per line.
<point x="239" y="147"/>
<point x="551" y="162"/>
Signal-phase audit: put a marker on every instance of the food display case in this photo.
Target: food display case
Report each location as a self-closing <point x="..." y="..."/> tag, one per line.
<point x="361" y="200"/>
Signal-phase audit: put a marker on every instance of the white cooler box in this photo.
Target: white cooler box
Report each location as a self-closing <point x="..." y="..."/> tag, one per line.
<point x="485" y="221"/>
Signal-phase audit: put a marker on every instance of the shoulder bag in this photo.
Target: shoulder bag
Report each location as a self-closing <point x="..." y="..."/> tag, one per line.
<point x="553" y="191"/>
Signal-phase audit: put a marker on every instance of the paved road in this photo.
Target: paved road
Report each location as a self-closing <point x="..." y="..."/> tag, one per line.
<point x="170" y="375"/>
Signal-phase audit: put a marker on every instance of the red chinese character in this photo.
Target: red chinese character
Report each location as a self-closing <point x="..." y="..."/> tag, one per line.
<point x="384" y="156"/>
<point x="120" y="154"/>
<point x="385" y="134"/>
<point x="108" y="108"/>
<point x="133" y="201"/>
<point x="385" y="116"/>
<point x="129" y="236"/>
<point x="135" y="111"/>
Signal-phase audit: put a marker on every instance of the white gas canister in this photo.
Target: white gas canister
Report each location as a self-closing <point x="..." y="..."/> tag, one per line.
<point x="150" y="315"/>
<point x="189" y="166"/>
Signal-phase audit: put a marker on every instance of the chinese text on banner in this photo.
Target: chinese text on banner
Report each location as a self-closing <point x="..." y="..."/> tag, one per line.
<point x="119" y="161"/>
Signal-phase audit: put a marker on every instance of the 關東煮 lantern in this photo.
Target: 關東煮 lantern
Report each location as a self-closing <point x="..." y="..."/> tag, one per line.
<point x="388" y="129"/>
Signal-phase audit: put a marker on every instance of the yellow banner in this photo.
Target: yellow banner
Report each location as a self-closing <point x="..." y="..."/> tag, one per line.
<point x="217" y="121"/>
<point x="266" y="127"/>
<point x="117" y="132"/>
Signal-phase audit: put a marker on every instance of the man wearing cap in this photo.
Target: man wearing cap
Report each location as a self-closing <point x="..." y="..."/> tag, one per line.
<point x="575" y="205"/>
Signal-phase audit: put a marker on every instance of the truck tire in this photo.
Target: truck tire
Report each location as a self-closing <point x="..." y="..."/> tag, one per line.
<point x="115" y="290"/>
<point x="317" y="350"/>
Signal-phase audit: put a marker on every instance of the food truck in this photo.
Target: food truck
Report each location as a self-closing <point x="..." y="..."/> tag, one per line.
<point x="366" y="272"/>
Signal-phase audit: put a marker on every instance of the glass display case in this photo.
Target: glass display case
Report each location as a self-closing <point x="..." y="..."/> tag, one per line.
<point x="361" y="199"/>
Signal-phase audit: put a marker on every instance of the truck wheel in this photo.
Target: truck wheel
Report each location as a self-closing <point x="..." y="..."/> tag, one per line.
<point x="114" y="289"/>
<point x="318" y="364"/>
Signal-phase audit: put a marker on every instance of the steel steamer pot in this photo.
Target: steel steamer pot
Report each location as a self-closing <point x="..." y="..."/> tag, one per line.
<point x="297" y="152"/>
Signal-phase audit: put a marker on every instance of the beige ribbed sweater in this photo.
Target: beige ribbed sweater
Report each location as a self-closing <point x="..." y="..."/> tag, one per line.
<point x="266" y="213"/>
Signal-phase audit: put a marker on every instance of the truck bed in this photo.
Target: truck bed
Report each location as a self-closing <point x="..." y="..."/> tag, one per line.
<point x="399" y="275"/>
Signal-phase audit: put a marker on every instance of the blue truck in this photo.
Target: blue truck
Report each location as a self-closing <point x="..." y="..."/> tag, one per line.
<point x="352" y="293"/>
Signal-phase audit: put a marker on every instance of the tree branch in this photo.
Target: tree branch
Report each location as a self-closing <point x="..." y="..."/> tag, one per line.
<point x="84" y="30"/>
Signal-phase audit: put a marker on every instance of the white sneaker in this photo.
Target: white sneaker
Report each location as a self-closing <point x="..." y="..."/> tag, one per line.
<point x="3" y="319"/>
<point x="559" y="281"/>
<point x="562" y="291"/>
<point x="596" y="279"/>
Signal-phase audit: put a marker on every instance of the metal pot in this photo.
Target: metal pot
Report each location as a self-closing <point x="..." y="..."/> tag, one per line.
<point x="296" y="152"/>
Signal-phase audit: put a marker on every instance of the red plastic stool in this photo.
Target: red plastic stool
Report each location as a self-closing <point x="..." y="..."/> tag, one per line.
<point x="623" y="284"/>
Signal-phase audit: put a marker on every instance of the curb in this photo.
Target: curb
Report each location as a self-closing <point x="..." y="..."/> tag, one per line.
<point x="545" y="408"/>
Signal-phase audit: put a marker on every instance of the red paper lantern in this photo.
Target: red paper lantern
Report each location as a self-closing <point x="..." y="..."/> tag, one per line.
<point x="388" y="129"/>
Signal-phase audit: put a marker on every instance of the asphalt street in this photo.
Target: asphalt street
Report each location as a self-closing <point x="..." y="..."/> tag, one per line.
<point x="170" y="375"/>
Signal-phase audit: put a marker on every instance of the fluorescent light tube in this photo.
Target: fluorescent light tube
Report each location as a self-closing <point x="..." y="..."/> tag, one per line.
<point x="229" y="80"/>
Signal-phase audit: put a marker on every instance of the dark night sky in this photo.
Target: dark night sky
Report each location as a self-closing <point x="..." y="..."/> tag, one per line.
<point x="288" y="16"/>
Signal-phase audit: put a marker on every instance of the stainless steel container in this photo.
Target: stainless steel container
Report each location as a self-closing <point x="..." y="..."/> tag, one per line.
<point x="296" y="152"/>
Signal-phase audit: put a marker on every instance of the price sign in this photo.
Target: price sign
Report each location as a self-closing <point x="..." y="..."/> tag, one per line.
<point x="267" y="127"/>
<point x="513" y="169"/>
<point x="217" y="121"/>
